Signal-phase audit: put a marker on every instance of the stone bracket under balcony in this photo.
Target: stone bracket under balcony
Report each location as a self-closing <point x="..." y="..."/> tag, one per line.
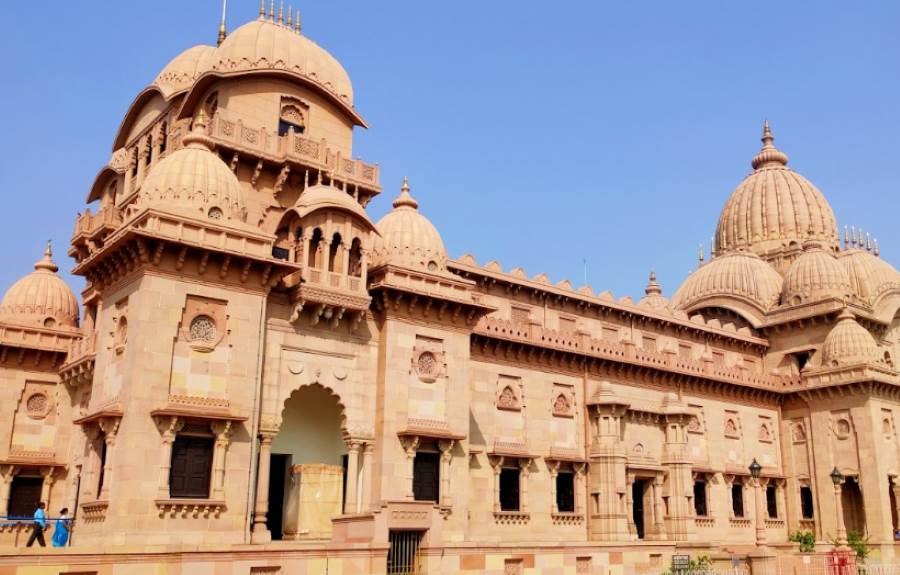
<point x="327" y="296"/>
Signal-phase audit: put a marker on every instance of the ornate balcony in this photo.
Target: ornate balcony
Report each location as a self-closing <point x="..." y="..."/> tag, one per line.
<point x="91" y="228"/>
<point x="78" y="368"/>
<point x="329" y="295"/>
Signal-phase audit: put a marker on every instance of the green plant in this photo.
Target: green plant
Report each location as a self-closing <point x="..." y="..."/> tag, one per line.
<point x="859" y="542"/>
<point x="806" y="539"/>
<point x="699" y="564"/>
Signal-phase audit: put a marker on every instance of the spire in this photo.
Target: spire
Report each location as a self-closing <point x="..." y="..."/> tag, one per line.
<point x="846" y="239"/>
<point x="405" y="200"/>
<point x="198" y="134"/>
<point x="653" y="288"/>
<point x="290" y="20"/>
<point x="876" y="248"/>
<point x="46" y="262"/>
<point x="712" y="248"/>
<point x="297" y="22"/>
<point x="262" y="9"/>
<point x="769" y="155"/>
<point x="700" y="254"/>
<point x="271" y="10"/>
<point x="281" y="12"/>
<point x="853" y="236"/>
<point x="222" y="32"/>
<point x="868" y="243"/>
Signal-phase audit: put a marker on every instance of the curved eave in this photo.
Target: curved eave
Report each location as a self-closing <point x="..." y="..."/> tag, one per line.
<point x="747" y="309"/>
<point x="303" y="211"/>
<point x="887" y="306"/>
<point x="208" y="78"/>
<point x="101" y="180"/>
<point x="139" y="102"/>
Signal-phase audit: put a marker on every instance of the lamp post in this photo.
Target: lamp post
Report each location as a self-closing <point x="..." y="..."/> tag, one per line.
<point x="755" y="471"/>
<point x="838" y="478"/>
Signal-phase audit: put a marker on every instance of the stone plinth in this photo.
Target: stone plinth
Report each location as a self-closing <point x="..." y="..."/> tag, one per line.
<point x="315" y="495"/>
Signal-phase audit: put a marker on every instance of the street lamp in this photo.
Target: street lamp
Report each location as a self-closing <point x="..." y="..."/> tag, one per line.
<point x="755" y="471"/>
<point x="838" y="478"/>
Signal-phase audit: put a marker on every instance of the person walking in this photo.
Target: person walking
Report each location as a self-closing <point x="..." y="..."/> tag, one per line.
<point x="38" y="526"/>
<point x="61" y="528"/>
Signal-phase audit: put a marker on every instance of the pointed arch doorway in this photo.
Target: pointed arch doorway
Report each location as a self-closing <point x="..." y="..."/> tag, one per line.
<point x="308" y="466"/>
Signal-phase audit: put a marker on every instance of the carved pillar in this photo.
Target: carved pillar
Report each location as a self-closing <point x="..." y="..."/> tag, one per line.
<point x="410" y="445"/>
<point x="496" y="467"/>
<point x="168" y="427"/>
<point x="366" y="499"/>
<point x="344" y="250"/>
<point x="260" y="533"/>
<point x="142" y="147"/>
<point x="553" y="468"/>
<point x="73" y="493"/>
<point x="363" y="267"/>
<point x="353" y="448"/>
<point x="523" y="483"/>
<point x="760" y="512"/>
<point x="49" y="475"/>
<point x="222" y="431"/>
<point x="629" y="503"/>
<point x="89" y="483"/>
<point x="7" y="472"/>
<point x="446" y="447"/>
<point x="130" y="161"/>
<point x="609" y="486"/>
<point x="839" y="511"/>
<point x="109" y="426"/>
<point x="579" y="487"/>
<point x="895" y="486"/>
<point x="781" y="500"/>
<point x="659" y="508"/>
<point x="322" y="255"/>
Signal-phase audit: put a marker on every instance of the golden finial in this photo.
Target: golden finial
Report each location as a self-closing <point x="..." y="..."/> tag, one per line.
<point x="200" y="121"/>
<point x="290" y="20"/>
<point x="876" y="248"/>
<point x="271" y="10"/>
<point x="262" y="9"/>
<point x="700" y="254"/>
<point x="868" y="243"/>
<point x="281" y="12"/>
<point x="297" y="22"/>
<point x="222" y="32"/>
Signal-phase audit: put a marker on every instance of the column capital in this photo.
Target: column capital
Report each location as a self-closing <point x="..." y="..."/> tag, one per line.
<point x="266" y="437"/>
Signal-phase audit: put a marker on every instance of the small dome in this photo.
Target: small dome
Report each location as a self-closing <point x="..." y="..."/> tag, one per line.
<point x="41" y="298"/>
<point x="267" y="45"/>
<point x="869" y="275"/>
<point x="741" y="276"/>
<point x="848" y="343"/>
<point x="324" y="197"/>
<point x="408" y="238"/>
<point x="180" y="73"/>
<point x="653" y="297"/>
<point x="774" y="207"/>
<point x="815" y="275"/>
<point x="194" y="180"/>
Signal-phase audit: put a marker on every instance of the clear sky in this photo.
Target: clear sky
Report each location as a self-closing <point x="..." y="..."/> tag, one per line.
<point x="538" y="134"/>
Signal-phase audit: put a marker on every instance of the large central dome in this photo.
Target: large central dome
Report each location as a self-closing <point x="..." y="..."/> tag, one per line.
<point x="774" y="208"/>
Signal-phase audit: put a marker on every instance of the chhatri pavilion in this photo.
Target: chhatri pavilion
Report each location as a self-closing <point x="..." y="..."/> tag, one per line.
<point x="259" y="378"/>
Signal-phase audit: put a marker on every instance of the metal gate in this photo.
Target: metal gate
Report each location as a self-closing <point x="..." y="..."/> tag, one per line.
<point x="403" y="556"/>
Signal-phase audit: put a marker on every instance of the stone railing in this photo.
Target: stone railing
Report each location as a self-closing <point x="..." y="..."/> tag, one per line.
<point x="705" y="522"/>
<point x="88" y="223"/>
<point x="583" y="343"/>
<point x="293" y="146"/>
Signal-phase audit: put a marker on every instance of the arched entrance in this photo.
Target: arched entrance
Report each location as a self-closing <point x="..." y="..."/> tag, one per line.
<point x="308" y="466"/>
<point x="852" y="502"/>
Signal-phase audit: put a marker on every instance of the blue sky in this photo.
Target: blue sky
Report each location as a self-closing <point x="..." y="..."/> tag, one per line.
<point x="538" y="134"/>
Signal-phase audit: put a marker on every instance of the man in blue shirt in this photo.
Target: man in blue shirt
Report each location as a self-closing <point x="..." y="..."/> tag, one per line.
<point x="37" y="528"/>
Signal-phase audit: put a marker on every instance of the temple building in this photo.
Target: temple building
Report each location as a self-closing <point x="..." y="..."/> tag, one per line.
<point x="259" y="378"/>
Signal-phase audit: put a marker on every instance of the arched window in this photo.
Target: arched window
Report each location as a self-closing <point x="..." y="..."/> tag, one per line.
<point x="355" y="266"/>
<point x="292" y="117"/>
<point x="314" y="247"/>
<point x="211" y="105"/>
<point x="163" y="138"/>
<point x="298" y="245"/>
<point x="334" y="254"/>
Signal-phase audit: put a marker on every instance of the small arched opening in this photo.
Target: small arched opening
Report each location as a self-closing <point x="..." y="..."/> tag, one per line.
<point x="852" y="502"/>
<point x="308" y="466"/>
<point x="315" y="243"/>
<point x="355" y="264"/>
<point x="334" y="254"/>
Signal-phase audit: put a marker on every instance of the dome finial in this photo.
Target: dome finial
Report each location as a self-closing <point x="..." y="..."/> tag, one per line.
<point x="281" y="12"/>
<point x="271" y="10"/>
<point x="222" y="32"/>
<point x="198" y="133"/>
<point x="262" y="9"/>
<point x="876" y="254"/>
<point x="700" y="254"/>
<point x="769" y="155"/>
<point x="297" y="22"/>
<point x="290" y="20"/>
<point x="405" y="200"/>
<point x="653" y="287"/>
<point x="46" y="263"/>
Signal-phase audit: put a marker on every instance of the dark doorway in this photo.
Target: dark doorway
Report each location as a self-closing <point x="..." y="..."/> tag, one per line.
<point x="24" y="496"/>
<point x="700" y="507"/>
<point x="509" y="489"/>
<point x="565" y="492"/>
<point x="852" y="501"/>
<point x="806" y="502"/>
<point x="638" y="489"/>
<point x="426" y="476"/>
<point x="191" y="469"/>
<point x="278" y="468"/>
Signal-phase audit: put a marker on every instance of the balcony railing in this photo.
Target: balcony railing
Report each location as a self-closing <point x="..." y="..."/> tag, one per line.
<point x="88" y="224"/>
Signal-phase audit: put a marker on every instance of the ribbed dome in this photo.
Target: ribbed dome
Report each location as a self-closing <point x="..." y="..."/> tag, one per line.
<point x="869" y="275"/>
<point x="739" y="275"/>
<point x="321" y="196"/>
<point x="815" y="275"/>
<point x="180" y="73"/>
<point x="41" y="298"/>
<point x="848" y="343"/>
<point x="266" y="45"/>
<point x="653" y="297"/>
<point x="408" y="238"/>
<point x="195" y="181"/>
<point x="774" y="207"/>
